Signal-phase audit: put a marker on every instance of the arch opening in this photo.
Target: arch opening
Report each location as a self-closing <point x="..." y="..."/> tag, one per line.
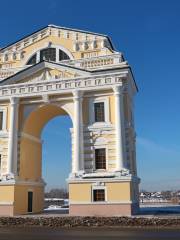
<point x="56" y="155"/>
<point x="45" y="146"/>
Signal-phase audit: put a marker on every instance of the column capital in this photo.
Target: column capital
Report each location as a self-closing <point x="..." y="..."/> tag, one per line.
<point x="14" y="100"/>
<point x="118" y="89"/>
<point x="77" y="94"/>
<point x="45" y="98"/>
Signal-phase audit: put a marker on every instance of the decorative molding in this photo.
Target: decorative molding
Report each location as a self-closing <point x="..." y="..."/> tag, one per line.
<point x="59" y="86"/>
<point x="92" y="101"/>
<point x="110" y="178"/>
<point x="45" y="98"/>
<point x="97" y="62"/>
<point x="30" y="137"/>
<point x="52" y="30"/>
<point x="46" y="45"/>
<point x="6" y="203"/>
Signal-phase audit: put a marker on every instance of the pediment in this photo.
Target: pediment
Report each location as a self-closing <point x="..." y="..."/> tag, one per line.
<point x="45" y="71"/>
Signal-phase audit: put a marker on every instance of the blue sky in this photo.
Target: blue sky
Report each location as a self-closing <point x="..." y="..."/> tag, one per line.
<point x="148" y="33"/>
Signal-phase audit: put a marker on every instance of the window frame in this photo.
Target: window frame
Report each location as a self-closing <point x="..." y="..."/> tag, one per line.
<point x="34" y="56"/>
<point x="92" y="102"/>
<point x="4" y="118"/>
<point x="48" y="52"/>
<point x="96" y="114"/>
<point x="94" y="188"/>
<point x="94" y="159"/>
<point x="57" y="47"/>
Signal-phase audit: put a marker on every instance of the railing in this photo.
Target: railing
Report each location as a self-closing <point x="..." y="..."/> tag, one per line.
<point x="96" y="62"/>
<point x="7" y="72"/>
<point x="59" y="85"/>
<point x="92" y="63"/>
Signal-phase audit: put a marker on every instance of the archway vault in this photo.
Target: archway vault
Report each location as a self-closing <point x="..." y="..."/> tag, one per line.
<point x="30" y="161"/>
<point x="41" y="115"/>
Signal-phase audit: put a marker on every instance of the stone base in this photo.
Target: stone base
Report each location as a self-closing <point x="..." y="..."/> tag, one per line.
<point x="14" y="198"/>
<point x="7" y="210"/>
<point x="103" y="209"/>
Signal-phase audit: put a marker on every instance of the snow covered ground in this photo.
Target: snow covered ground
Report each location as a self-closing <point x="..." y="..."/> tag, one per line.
<point x="54" y="208"/>
<point x="148" y="210"/>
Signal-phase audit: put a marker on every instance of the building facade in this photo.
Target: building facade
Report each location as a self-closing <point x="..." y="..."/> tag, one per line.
<point x="59" y="71"/>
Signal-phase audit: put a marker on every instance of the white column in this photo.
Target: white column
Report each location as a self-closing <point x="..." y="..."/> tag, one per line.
<point x="38" y="57"/>
<point x="57" y="55"/>
<point x="77" y="163"/>
<point x="120" y="128"/>
<point x="13" y="137"/>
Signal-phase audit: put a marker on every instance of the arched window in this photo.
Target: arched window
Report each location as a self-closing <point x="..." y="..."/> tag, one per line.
<point x="32" y="60"/>
<point x="63" y="56"/>
<point x="48" y="54"/>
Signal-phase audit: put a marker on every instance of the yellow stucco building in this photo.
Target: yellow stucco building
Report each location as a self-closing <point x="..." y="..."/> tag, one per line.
<point x="61" y="71"/>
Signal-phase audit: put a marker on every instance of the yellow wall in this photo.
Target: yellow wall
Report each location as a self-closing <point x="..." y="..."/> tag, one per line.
<point x="118" y="191"/>
<point x="67" y="43"/>
<point x="30" y="159"/>
<point x="18" y="196"/>
<point x="80" y="192"/>
<point x="6" y="193"/>
<point x="21" y="198"/>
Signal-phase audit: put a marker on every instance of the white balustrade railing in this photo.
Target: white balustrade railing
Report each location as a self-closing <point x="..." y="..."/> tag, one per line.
<point x="93" y="63"/>
<point x="96" y="62"/>
<point x="7" y="72"/>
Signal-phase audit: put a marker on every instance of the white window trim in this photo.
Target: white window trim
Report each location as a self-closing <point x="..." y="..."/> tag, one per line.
<point x="98" y="188"/>
<point x="94" y="160"/>
<point x="92" y="101"/>
<point x="4" y="120"/>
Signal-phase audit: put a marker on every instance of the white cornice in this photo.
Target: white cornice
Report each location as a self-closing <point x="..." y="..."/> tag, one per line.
<point x="103" y="82"/>
<point x="104" y="179"/>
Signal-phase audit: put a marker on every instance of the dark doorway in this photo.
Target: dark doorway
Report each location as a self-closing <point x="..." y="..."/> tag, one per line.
<point x="30" y="201"/>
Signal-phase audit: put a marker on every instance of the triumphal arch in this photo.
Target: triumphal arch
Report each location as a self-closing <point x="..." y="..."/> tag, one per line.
<point x="60" y="71"/>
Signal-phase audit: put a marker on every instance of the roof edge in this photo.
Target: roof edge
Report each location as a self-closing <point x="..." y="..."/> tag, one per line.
<point x="59" y="27"/>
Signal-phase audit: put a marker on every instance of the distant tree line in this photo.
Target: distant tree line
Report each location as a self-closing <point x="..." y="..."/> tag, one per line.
<point x="57" y="193"/>
<point x="173" y="196"/>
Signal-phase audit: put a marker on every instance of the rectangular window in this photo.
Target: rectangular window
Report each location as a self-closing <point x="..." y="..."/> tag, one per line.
<point x="1" y="120"/>
<point x="100" y="158"/>
<point x="98" y="195"/>
<point x="99" y="112"/>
